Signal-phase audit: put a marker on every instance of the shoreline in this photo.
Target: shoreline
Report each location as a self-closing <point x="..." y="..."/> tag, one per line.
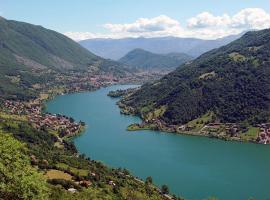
<point x="52" y="96"/>
<point x="174" y="129"/>
<point x="192" y="134"/>
<point x="139" y="180"/>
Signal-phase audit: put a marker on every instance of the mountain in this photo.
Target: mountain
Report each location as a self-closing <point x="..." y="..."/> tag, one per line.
<point x="146" y="60"/>
<point x="232" y="82"/>
<point x="23" y="43"/>
<point x="31" y="54"/>
<point x="117" y="48"/>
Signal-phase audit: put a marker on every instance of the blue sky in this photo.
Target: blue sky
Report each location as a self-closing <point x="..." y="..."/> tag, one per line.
<point x="91" y="15"/>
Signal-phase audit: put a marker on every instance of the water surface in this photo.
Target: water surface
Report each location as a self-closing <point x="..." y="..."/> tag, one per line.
<point x="193" y="167"/>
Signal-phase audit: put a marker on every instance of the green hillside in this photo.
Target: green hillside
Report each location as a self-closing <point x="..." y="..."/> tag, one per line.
<point x="31" y="54"/>
<point x="150" y="61"/>
<point x="232" y="82"/>
<point x="33" y="167"/>
<point x="46" y="47"/>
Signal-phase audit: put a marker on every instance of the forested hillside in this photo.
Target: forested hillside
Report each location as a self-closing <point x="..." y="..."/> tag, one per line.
<point x="232" y="82"/>
<point x="31" y="54"/>
<point x="146" y="60"/>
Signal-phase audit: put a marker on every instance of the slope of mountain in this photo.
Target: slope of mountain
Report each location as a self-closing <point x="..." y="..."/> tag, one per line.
<point x="146" y="60"/>
<point x="31" y="54"/>
<point x="117" y="48"/>
<point x="232" y="82"/>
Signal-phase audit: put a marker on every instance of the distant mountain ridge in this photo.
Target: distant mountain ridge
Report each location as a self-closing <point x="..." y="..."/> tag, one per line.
<point x="117" y="48"/>
<point x="146" y="60"/>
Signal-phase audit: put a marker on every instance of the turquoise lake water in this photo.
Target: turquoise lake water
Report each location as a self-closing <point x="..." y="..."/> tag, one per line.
<point x="193" y="167"/>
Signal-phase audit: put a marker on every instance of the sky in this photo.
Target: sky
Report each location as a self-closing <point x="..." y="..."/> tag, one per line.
<point x="84" y="19"/>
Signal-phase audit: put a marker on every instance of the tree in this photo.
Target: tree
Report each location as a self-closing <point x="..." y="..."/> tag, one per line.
<point x="71" y="120"/>
<point x="165" y="189"/>
<point x="82" y="123"/>
<point x="149" y="180"/>
<point x="18" y="179"/>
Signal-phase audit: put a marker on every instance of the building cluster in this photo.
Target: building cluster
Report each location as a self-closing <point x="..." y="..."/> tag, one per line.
<point x="102" y="80"/>
<point x="83" y="183"/>
<point x="14" y="107"/>
<point x="83" y="81"/>
<point x="21" y="108"/>
<point x="65" y="126"/>
<point x="264" y="135"/>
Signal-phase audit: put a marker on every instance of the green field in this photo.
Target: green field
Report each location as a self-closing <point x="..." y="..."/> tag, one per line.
<point x="80" y="172"/>
<point x="251" y="134"/>
<point x="56" y="174"/>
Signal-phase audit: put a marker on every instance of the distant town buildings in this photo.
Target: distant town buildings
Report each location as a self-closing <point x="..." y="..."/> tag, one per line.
<point x="264" y="135"/>
<point x="65" y="126"/>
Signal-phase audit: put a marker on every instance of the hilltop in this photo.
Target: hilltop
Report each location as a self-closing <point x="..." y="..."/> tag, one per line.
<point x="146" y="60"/>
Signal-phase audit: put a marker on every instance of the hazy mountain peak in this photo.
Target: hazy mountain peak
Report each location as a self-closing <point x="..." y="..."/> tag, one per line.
<point x="117" y="48"/>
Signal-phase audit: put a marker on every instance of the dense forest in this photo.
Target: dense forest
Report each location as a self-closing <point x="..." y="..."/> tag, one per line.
<point x="231" y="81"/>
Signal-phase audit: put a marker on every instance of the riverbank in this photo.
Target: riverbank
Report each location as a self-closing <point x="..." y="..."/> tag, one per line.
<point x="204" y="126"/>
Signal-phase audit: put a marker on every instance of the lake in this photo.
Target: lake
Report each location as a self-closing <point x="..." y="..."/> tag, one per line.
<point x="193" y="167"/>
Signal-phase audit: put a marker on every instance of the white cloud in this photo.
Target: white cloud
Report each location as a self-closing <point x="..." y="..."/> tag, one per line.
<point x="206" y="19"/>
<point x="146" y="27"/>
<point x="160" y="23"/>
<point x="254" y="18"/>
<point x="249" y="18"/>
<point x="205" y="25"/>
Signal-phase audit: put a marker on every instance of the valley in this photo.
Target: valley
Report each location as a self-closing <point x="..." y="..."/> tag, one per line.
<point x="134" y="100"/>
